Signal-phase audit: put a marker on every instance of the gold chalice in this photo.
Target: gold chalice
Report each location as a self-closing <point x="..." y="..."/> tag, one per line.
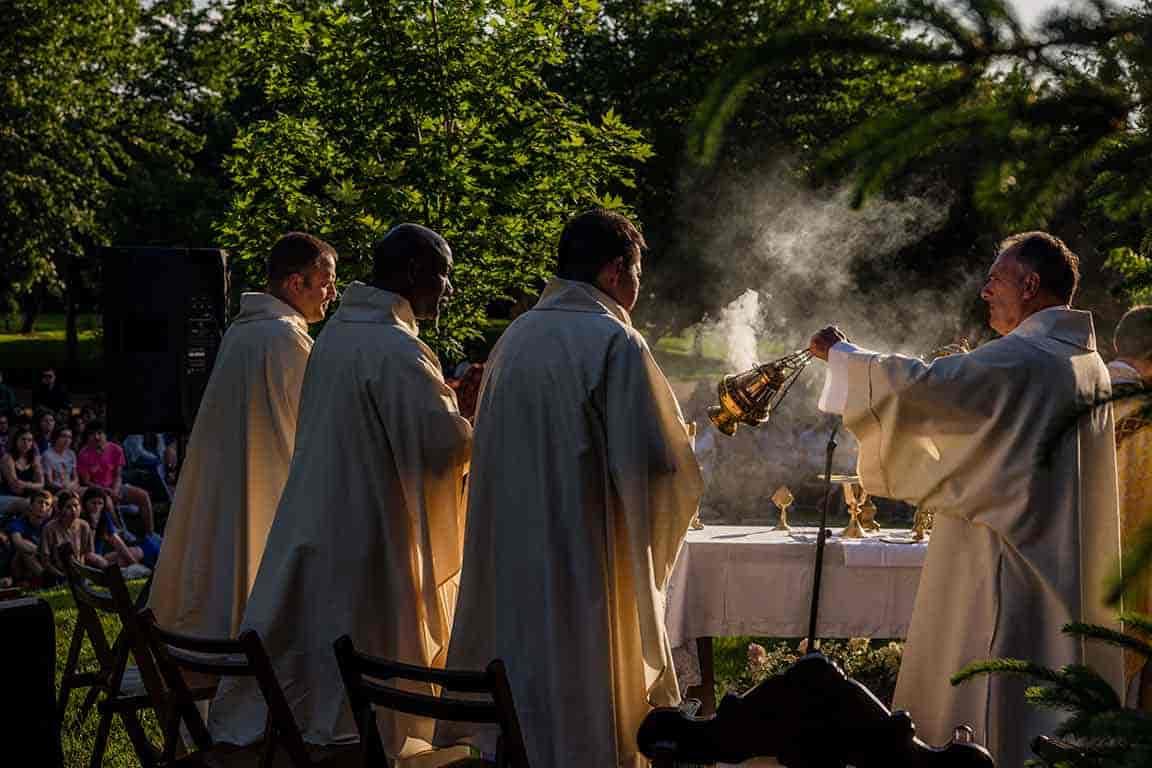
<point x="854" y="497"/>
<point x="783" y="499"/>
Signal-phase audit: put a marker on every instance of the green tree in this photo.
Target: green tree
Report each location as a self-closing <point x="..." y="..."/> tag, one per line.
<point x="435" y="111"/>
<point x="78" y="115"/>
<point x="655" y="62"/>
<point x="1038" y="127"/>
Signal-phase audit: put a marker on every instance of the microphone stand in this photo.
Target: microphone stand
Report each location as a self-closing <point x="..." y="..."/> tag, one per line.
<point x="821" y="537"/>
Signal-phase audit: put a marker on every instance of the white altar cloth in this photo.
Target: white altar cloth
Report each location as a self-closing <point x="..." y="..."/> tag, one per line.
<point x="751" y="580"/>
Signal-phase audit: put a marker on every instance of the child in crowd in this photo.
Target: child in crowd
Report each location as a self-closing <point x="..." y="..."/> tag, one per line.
<point x="44" y="427"/>
<point x="100" y="462"/>
<point x="59" y="462"/>
<point x="67" y="526"/>
<point x="108" y="532"/>
<point x="29" y="566"/>
<point x="21" y="473"/>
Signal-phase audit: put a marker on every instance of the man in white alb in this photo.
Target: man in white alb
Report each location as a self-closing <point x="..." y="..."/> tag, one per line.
<point x="368" y="535"/>
<point x="1007" y="446"/>
<point x="241" y="445"/>
<point x="583" y="487"/>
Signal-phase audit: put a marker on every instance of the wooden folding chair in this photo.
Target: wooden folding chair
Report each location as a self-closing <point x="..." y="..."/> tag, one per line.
<point x="114" y="687"/>
<point x="177" y="655"/>
<point x="366" y="694"/>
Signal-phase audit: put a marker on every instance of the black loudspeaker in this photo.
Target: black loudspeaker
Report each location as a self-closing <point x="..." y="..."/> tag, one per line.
<point x="164" y="315"/>
<point x="28" y="721"/>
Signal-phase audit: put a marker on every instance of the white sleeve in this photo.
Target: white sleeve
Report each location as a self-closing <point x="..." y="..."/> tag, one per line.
<point x="835" y="394"/>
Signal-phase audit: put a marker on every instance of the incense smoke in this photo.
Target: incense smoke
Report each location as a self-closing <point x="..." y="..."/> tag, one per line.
<point x="796" y="256"/>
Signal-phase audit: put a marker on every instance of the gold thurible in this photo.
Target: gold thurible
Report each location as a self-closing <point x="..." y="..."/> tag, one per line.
<point x="749" y="397"/>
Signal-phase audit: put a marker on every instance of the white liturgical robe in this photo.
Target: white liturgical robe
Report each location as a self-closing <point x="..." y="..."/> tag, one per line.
<point x="583" y="487"/>
<point x="1004" y="445"/>
<point x="235" y="470"/>
<point x="367" y="539"/>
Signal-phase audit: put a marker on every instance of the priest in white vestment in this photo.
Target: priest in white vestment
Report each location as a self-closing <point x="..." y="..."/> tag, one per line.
<point x="1007" y="447"/>
<point x="583" y="487"/>
<point x="241" y="445"/>
<point x="1131" y="373"/>
<point x="367" y="539"/>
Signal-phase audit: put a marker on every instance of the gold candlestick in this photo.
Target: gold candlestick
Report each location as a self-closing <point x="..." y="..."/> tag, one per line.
<point x="783" y="499"/>
<point x="921" y="524"/>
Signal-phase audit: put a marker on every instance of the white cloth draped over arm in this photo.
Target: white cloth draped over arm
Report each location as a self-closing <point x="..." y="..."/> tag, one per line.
<point x="834" y="396"/>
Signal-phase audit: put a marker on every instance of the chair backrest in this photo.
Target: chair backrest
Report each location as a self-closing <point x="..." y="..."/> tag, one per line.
<point x="244" y="656"/>
<point x="102" y="591"/>
<point x="365" y="677"/>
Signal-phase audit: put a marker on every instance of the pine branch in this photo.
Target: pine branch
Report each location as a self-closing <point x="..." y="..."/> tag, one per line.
<point x="1140" y="622"/>
<point x="1110" y="636"/>
<point x="1015" y="667"/>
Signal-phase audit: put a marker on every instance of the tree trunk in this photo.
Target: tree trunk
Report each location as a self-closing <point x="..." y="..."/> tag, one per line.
<point x="32" y="303"/>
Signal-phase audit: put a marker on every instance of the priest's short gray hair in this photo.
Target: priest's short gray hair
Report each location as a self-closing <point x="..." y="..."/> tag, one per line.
<point x="1049" y="257"/>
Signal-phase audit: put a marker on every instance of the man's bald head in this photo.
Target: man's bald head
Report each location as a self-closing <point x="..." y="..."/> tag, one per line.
<point x="414" y="262"/>
<point x="1133" y="337"/>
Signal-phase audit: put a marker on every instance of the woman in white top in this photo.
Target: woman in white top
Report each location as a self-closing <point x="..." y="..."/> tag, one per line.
<point x="59" y="462"/>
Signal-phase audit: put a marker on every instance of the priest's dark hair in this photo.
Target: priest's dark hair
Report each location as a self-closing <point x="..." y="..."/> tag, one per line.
<point x="1048" y="256"/>
<point x="593" y="239"/>
<point x="295" y="252"/>
<point x="1133" y="338"/>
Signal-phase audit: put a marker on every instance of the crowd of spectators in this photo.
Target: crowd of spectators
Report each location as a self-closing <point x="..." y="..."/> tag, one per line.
<point x="63" y="478"/>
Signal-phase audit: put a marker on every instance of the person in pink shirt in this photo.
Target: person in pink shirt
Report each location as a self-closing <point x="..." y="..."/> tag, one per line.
<point x="99" y="464"/>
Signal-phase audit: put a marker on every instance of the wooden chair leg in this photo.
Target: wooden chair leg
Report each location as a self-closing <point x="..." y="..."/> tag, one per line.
<point x="69" y="670"/>
<point x="101" y="743"/>
<point x="135" y="729"/>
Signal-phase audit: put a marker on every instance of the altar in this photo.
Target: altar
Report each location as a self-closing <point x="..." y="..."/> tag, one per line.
<point x="753" y="580"/>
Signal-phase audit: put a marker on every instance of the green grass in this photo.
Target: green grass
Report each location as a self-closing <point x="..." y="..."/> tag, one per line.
<point x="677" y="355"/>
<point x="78" y="734"/>
<point x="46" y="344"/>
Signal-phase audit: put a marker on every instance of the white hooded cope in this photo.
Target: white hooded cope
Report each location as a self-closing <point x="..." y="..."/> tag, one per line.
<point x="368" y="536"/>
<point x="583" y="486"/>
<point x="236" y="467"/>
<point x="1004" y="445"/>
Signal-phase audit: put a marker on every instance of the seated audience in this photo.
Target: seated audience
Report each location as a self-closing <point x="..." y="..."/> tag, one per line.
<point x="44" y="427"/>
<point x="67" y="526"/>
<point x="3" y="432"/>
<point x="50" y="393"/>
<point x="59" y="463"/>
<point x="110" y="537"/>
<point x="146" y="454"/>
<point x="100" y="463"/>
<point x="20" y="471"/>
<point x="29" y="565"/>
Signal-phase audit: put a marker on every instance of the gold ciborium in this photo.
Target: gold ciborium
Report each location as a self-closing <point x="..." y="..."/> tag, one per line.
<point x="783" y="499"/>
<point x="749" y="397"/>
